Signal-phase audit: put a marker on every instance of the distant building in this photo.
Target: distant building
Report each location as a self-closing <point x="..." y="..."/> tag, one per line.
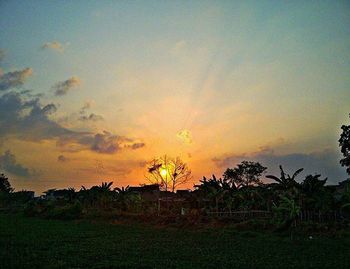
<point x="145" y="188"/>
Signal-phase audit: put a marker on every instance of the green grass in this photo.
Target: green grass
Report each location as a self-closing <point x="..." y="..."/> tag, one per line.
<point x="39" y="243"/>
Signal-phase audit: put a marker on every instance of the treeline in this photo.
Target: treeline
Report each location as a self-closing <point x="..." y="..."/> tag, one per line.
<point x="240" y="192"/>
<point x="238" y="195"/>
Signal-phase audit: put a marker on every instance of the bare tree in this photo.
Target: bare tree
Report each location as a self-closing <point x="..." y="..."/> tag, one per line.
<point x="168" y="172"/>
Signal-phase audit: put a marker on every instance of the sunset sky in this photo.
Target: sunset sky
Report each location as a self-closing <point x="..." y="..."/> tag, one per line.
<point x="92" y="90"/>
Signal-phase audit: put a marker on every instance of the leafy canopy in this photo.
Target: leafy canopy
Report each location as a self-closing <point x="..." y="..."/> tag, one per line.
<point x="245" y="174"/>
<point x="344" y="144"/>
<point x="5" y="185"/>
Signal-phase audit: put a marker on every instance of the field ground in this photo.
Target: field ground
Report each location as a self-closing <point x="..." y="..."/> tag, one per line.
<point x="39" y="243"/>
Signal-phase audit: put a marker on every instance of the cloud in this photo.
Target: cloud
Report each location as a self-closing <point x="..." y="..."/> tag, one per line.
<point x="9" y="163"/>
<point x="2" y="55"/>
<point x="54" y="45"/>
<point x="62" y="159"/>
<point x="88" y="104"/>
<point x="137" y="145"/>
<point x="91" y="117"/>
<point x="27" y="119"/>
<point x="185" y="136"/>
<point x="62" y="87"/>
<point x="325" y="162"/>
<point x="109" y="143"/>
<point x="14" y="79"/>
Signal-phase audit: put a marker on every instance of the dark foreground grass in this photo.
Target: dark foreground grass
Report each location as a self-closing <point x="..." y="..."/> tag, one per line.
<point x="38" y="243"/>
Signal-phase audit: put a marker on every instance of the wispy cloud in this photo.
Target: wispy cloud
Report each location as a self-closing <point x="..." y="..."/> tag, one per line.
<point x="54" y="45"/>
<point x="63" y="87"/>
<point x="87" y="105"/>
<point x="91" y="117"/>
<point x="14" y="79"/>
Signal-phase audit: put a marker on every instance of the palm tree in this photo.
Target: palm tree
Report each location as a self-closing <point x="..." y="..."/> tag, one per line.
<point x="285" y="181"/>
<point x="101" y="195"/>
<point x="105" y="186"/>
<point x="213" y="189"/>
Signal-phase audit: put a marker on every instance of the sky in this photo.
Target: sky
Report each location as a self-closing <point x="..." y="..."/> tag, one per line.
<point x="90" y="91"/>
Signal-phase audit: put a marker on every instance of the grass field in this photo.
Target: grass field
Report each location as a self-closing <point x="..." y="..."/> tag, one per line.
<point x="38" y="243"/>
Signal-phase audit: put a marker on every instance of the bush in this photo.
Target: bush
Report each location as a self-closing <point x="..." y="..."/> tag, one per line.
<point x="31" y="209"/>
<point x="67" y="212"/>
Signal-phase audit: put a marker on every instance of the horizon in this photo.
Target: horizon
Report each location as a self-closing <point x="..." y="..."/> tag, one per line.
<point x="91" y="92"/>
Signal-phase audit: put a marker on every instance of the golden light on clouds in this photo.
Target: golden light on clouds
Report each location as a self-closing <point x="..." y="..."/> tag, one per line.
<point x="185" y="136"/>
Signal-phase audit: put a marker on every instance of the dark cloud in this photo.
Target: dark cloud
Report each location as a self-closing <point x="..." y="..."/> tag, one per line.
<point x="137" y="145"/>
<point x="107" y="143"/>
<point x="91" y="117"/>
<point x="62" y="158"/>
<point x="324" y="162"/>
<point x="62" y="87"/>
<point x="14" y="79"/>
<point x="9" y="163"/>
<point x="28" y="119"/>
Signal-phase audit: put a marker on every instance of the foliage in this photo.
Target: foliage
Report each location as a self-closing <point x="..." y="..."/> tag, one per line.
<point x="127" y="200"/>
<point x="66" y="212"/>
<point x="314" y="194"/>
<point x="344" y="143"/>
<point x="5" y="185"/>
<point x="286" y="181"/>
<point x="245" y="174"/>
<point x="287" y="211"/>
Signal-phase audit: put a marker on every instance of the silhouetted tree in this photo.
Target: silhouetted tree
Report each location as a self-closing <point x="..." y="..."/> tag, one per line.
<point x="5" y="185"/>
<point x="213" y="189"/>
<point x="168" y="173"/>
<point x="245" y="174"/>
<point x="101" y="195"/>
<point x="344" y="143"/>
<point x="313" y="193"/>
<point x="286" y="181"/>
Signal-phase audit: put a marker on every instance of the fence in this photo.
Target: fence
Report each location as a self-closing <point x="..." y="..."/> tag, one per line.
<point x="304" y="216"/>
<point x="241" y="215"/>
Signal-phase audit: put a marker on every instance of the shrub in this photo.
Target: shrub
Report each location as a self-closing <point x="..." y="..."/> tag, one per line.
<point x="67" y="212"/>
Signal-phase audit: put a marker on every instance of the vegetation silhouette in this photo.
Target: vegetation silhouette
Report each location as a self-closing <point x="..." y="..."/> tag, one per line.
<point x="344" y="143"/>
<point x="5" y="185"/>
<point x="238" y="196"/>
<point x="169" y="173"/>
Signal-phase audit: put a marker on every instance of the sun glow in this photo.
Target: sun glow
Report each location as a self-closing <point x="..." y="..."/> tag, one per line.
<point x="163" y="172"/>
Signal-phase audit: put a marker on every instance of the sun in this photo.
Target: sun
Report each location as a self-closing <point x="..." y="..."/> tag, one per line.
<point x="163" y="172"/>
